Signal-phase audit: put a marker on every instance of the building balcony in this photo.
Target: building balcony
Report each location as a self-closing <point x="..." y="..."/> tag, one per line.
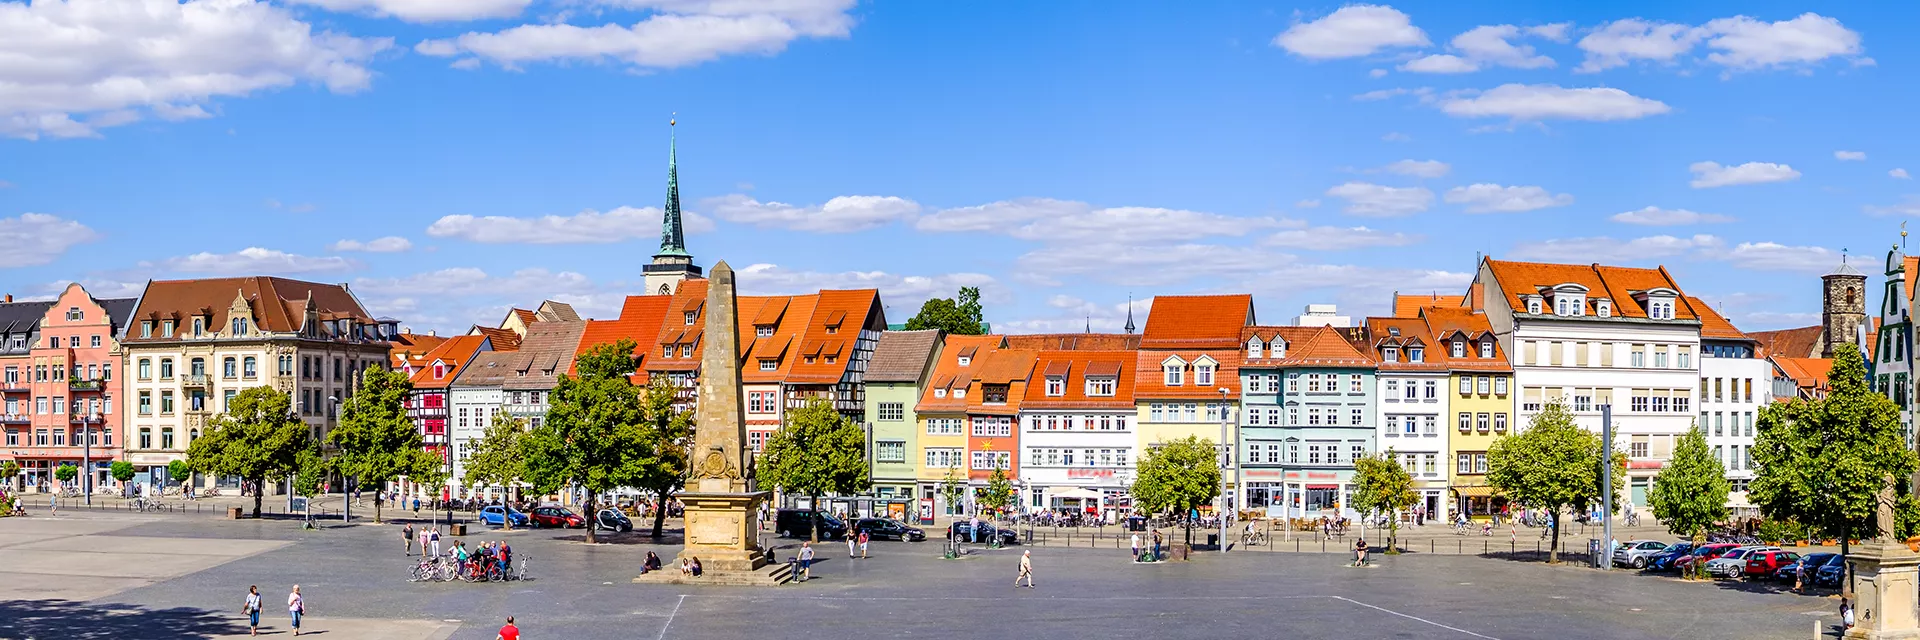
<point x="86" y="385"/>
<point x="16" y="419"/>
<point x="18" y="386"/>
<point x="195" y="380"/>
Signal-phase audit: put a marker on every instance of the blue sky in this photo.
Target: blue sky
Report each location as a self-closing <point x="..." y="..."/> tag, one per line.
<point x="449" y="158"/>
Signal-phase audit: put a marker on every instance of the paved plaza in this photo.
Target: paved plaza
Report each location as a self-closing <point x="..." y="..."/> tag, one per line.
<point x="99" y="575"/>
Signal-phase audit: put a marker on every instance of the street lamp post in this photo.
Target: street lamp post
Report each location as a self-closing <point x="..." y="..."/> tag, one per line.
<point x="1226" y="457"/>
<point x="86" y="455"/>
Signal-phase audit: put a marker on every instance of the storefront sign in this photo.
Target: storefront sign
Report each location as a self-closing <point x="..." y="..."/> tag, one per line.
<point x="926" y="511"/>
<point x="1263" y="473"/>
<point x="1089" y="473"/>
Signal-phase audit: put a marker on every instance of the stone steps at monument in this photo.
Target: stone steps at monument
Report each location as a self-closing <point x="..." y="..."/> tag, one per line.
<point x="772" y="575"/>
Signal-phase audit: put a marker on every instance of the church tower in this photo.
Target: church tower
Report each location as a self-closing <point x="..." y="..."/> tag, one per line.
<point x="1843" y="309"/>
<point x="672" y="265"/>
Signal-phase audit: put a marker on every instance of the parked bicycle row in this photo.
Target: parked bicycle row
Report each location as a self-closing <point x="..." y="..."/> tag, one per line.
<point x="486" y="562"/>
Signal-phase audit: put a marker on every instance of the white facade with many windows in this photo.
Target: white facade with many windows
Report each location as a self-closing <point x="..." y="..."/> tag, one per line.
<point x="1065" y="450"/>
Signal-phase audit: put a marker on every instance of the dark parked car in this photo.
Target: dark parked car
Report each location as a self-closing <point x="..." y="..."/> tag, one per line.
<point x="1663" y="561"/>
<point x="613" y="520"/>
<point x="798" y="523"/>
<point x="557" y="517"/>
<point x="885" y="529"/>
<point x="963" y="531"/>
<point x="1831" y="573"/>
<point x="1811" y="561"/>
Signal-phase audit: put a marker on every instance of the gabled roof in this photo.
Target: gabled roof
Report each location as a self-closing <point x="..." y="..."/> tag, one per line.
<point x="1319" y="346"/>
<point x="1712" y="324"/>
<point x="1074" y="367"/>
<point x="501" y="339"/>
<point x="846" y="313"/>
<point x="788" y="315"/>
<point x="902" y="356"/>
<point x="1802" y="342"/>
<point x="547" y="353"/>
<point x="1075" y="341"/>
<point x="1409" y="305"/>
<point x="1809" y="375"/>
<point x="640" y="320"/>
<point x="278" y="304"/>
<point x="1150" y="383"/>
<point x="1449" y="323"/>
<point x="1011" y="367"/>
<point x="1196" y="322"/>
<point x="410" y="348"/>
<point x="1411" y="332"/>
<point x="948" y="374"/>
<point x="452" y="352"/>
<point x="1618" y="284"/>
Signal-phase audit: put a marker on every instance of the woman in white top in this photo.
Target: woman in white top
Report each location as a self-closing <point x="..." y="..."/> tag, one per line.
<point x="252" y="608"/>
<point x="295" y="607"/>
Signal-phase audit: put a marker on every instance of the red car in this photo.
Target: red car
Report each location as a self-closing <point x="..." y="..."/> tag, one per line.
<point x="1764" y="563"/>
<point x="1702" y="554"/>
<point x="557" y="517"/>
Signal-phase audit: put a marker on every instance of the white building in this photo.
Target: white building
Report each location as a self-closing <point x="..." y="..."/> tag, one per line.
<point x="1734" y="385"/>
<point x="1077" y="433"/>
<point x="1590" y="336"/>
<point x="1323" y="315"/>
<point x="1411" y="414"/>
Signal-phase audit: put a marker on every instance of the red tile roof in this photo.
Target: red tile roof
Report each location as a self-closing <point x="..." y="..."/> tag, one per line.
<point x="1712" y="324"/>
<point x="452" y="352"/>
<point x="1803" y="342"/>
<point x="1809" y="375"/>
<point x="948" y="374"/>
<point x="1449" y="323"/>
<point x="1320" y="346"/>
<point x="1618" y="284"/>
<point x="1911" y="266"/>
<point x="1075" y="341"/>
<point x="1073" y="367"/>
<point x="1404" y="334"/>
<point x="277" y="304"/>
<point x="641" y="318"/>
<point x="502" y="339"/>
<point x="1010" y="367"/>
<point x="409" y="348"/>
<point x="838" y="318"/>
<point x="1408" y="305"/>
<point x="788" y="315"/>
<point x="1197" y="322"/>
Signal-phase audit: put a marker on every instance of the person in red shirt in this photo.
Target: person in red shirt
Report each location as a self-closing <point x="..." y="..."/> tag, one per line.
<point x="509" y="632"/>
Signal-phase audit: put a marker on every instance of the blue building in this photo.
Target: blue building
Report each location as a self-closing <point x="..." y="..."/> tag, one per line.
<point x="1307" y="414"/>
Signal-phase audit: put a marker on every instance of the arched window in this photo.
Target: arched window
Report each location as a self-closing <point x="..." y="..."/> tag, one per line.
<point x="229" y="367"/>
<point x="1850" y="296"/>
<point x="250" y="367"/>
<point x="197" y="366"/>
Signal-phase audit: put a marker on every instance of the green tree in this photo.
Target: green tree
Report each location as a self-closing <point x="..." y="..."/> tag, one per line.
<point x="258" y="439"/>
<point x="496" y="458"/>
<point x="594" y="434"/>
<point x="1381" y="484"/>
<point x="1553" y="464"/>
<point x="311" y="467"/>
<point x="998" y="494"/>
<point x="10" y="472"/>
<point x="962" y="317"/>
<point x="180" y="471"/>
<point x="952" y="489"/>
<point x="817" y="452"/>
<point x="65" y="473"/>
<point x="375" y="441"/>
<point x="1179" y="476"/>
<point x="1690" y="494"/>
<point x="122" y="471"/>
<point x="1828" y="464"/>
<point x="666" y="433"/>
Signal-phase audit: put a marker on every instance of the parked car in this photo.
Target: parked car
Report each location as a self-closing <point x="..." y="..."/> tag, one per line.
<point x="613" y="520"/>
<point x="496" y="515"/>
<point x="1762" y="564"/>
<point x="1733" y="564"/>
<point x="1636" y="553"/>
<point x="885" y="529"/>
<point x="551" y="516"/>
<point x="1832" y="572"/>
<point x="1663" y="561"/>
<point x="798" y="523"/>
<point x="1812" y="561"/>
<point x="963" y="530"/>
<point x="1702" y="553"/>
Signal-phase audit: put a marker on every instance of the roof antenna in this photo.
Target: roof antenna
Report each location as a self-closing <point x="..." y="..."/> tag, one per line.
<point x="1903" y="236"/>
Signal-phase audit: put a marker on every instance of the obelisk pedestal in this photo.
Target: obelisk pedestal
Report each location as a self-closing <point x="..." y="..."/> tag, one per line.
<point x="1884" y="592"/>
<point x="722" y="529"/>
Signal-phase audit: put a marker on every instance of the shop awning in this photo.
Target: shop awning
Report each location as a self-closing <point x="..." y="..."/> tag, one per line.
<point x="1077" y="494"/>
<point x="1474" y="492"/>
<point x="1323" y="486"/>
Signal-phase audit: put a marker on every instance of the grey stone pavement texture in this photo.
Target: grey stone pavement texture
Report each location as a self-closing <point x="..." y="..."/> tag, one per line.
<point x="99" y="575"/>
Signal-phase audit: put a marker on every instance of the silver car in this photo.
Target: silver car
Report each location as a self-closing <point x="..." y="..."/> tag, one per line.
<point x="1734" y="563"/>
<point x="1637" y="553"/>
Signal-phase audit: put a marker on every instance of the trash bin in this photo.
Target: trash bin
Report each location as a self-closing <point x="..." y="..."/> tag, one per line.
<point x="1213" y="540"/>
<point x="233" y="513"/>
<point x="459" y="528"/>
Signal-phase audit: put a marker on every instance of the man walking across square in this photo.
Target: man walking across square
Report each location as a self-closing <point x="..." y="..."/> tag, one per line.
<point x="806" y="561"/>
<point x="1026" y="570"/>
<point x="407" y="535"/>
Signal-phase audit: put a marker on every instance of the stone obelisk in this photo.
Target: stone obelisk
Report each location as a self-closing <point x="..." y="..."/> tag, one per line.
<point x="721" y="521"/>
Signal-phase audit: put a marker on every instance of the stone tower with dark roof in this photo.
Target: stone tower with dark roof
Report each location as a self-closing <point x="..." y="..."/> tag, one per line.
<point x="1843" y="308"/>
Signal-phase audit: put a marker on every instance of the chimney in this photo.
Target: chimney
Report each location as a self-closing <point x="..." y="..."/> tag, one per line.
<point x="433" y="333"/>
<point x="9" y="297"/>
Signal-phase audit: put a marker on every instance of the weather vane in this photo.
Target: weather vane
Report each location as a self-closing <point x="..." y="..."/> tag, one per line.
<point x="673" y="119"/>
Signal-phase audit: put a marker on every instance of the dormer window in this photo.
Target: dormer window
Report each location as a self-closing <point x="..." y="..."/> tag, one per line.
<point x="1560" y="307"/>
<point x="692" y="316"/>
<point x="146" y="328"/>
<point x="199" y="326"/>
<point x="763" y="331"/>
<point x="166" y="328"/>
<point x="1100" y="387"/>
<point x="1173" y="371"/>
<point x="937" y="393"/>
<point x="960" y="392"/>
<point x="1203" y="374"/>
<point x="74" y="314"/>
<point x="1660" y="309"/>
<point x="1390" y="354"/>
<point x="1056" y="387"/>
<point x="1533" y="305"/>
<point x="439" y="370"/>
<point x="1603" y="308"/>
<point x="769" y="364"/>
<point x="1486" y="348"/>
<point x="1416" y="354"/>
<point x="1255" y="347"/>
<point x="1278" y="347"/>
<point x="966" y="360"/>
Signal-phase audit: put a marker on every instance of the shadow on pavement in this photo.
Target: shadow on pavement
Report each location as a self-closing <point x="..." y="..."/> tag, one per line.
<point x="94" y="621"/>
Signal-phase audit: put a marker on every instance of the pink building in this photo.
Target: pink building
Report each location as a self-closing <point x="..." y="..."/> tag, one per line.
<point x="65" y="389"/>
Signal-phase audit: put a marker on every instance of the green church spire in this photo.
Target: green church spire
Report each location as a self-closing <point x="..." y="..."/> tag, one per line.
<point x="673" y="239"/>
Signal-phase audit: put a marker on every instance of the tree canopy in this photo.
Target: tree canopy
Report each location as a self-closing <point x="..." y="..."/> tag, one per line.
<point x="377" y="441"/>
<point x="258" y="439"/>
<point x="1690" y="494"/>
<point x="666" y="433"/>
<point x="1381" y="484"/>
<point x="1553" y="464"/>
<point x="594" y="434"/>
<point x="1178" y="476"/>
<point x="998" y="494"/>
<point x="495" y="458"/>
<point x="817" y="452"/>
<point x="961" y="317"/>
<point x="1829" y="463"/>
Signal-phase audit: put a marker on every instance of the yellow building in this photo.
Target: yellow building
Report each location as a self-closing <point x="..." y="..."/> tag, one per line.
<point x="940" y="451"/>
<point x="1480" y="401"/>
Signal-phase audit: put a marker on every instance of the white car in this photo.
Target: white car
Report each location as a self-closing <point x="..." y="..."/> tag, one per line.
<point x="1734" y="563"/>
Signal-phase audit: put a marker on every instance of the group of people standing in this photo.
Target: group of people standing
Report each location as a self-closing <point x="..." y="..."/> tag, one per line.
<point x="296" y="607"/>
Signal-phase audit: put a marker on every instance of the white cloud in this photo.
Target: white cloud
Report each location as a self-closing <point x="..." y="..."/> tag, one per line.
<point x="1657" y="217"/>
<point x="1377" y="73"/>
<point x="1308" y="203"/>
<point x="1899" y="173"/>
<point x="1707" y="175"/>
<point x="1493" y="198"/>
<point x="586" y="227"/>
<point x="37" y="238"/>
<point x="1908" y="206"/>
<point x="1489" y="45"/>
<point x="1367" y="199"/>
<point x="426" y="10"/>
<point x="1769" y="256"/>
<point x="471" y="281"/>
<point x="679" y="33"/>
<point x="96" y="287"/>
<point x="1067" y="221"/>
<point x="256" y="260"/>
<point x="1382" y="94"/>
<point x="1418" y="168"/>
<point x="1556" y="32"/>
<point x="842" y="214"/>
<point x="1339" y="239"/>
<point x="1549" y="101"/>
<point x="903" y="293"/>
<point x="1352" y="31"/>
<point x="389" y="244"/>
<point x="1745" y="43"/>
<point x="1623" y="41"/>
<point x="1604" y="249"/>
<point x="80" y="66"/>
<point x="1849" y="155"/>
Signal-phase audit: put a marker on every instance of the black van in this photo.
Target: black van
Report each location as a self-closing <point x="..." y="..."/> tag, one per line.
<point x="798" y="523"/>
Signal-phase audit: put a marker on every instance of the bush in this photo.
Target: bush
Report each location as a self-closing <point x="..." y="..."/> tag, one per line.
<point x="6" y="506"/>
<point x="1773" y="531"/>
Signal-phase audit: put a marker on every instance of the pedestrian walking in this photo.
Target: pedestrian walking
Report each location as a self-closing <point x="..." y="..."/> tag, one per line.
<point x="406" y="535"/>
<point x="1846" y="614"/>
<point x="296" y="607"/>
<point x="1026" y="570"/>
<point x="1136" y="546"/>
<point x="422" y="534"/>
<point x="852" y="539"/>
<point x="508" y="632"/>
<point x="53" y="504"/>
<point x="806" y="561"/>
<point x="863" y="545"/>
<point x="252" y="608"/>
<point x="433" y="537"/>
<point x="973" y="528"/>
